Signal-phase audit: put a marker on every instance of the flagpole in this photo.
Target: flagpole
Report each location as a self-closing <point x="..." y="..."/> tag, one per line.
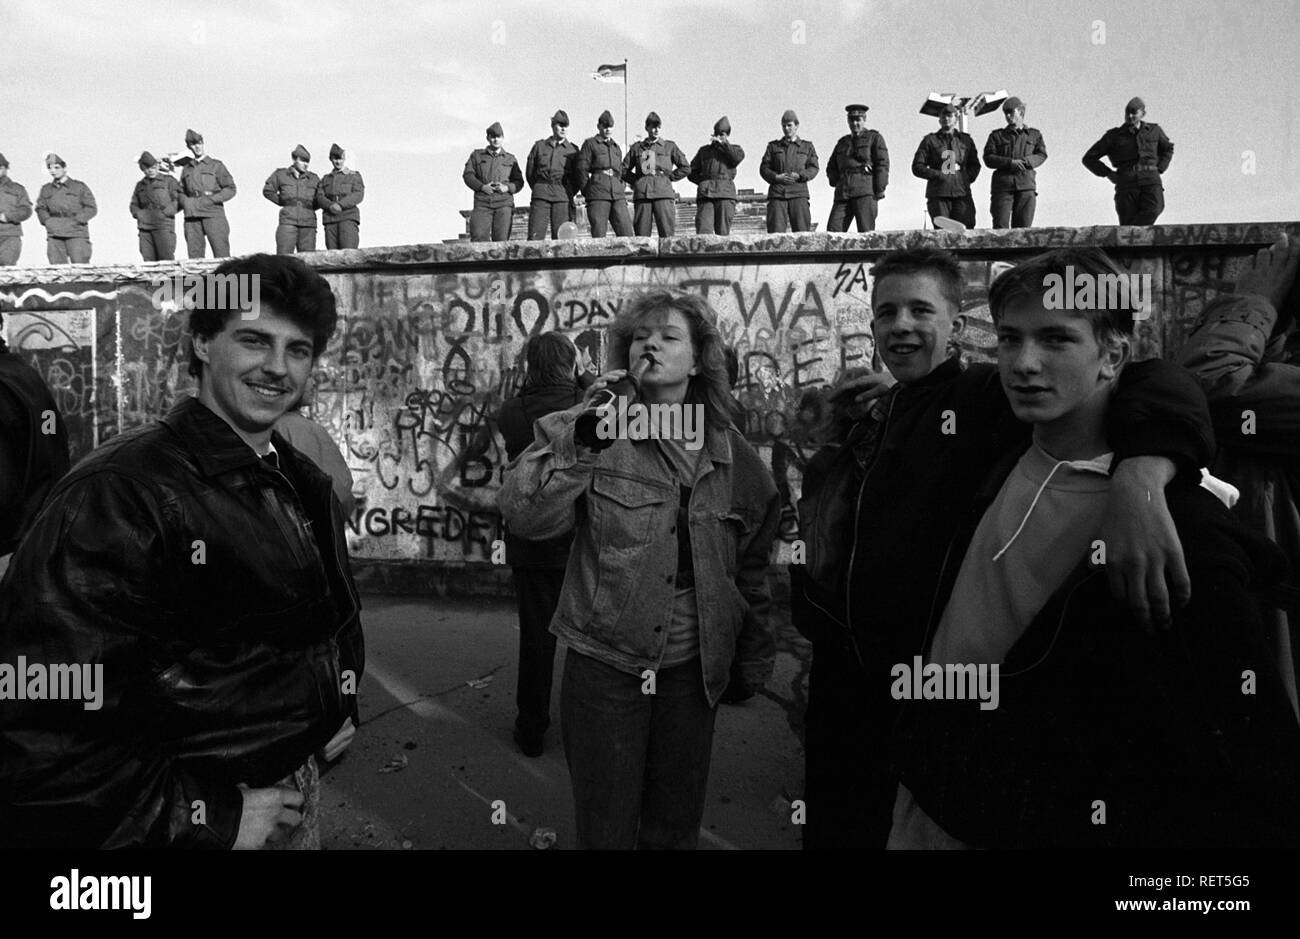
<point x="625" y="105"/>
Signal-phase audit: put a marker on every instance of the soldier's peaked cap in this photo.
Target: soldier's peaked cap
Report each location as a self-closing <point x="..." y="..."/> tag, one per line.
<point x="853" y="109"/>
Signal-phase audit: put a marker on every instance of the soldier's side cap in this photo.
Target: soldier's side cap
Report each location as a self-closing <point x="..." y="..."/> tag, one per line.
<point x="3" y="161"/>
<point x="948" y="109"/>
<point x="652" y="120"/>
<point x="605" y="120"/>
<point x="300" y="153"/>
<point x="193" y="136"/>
<point x="1137" y="104"/>
<point x="1012" y="103"/>
<point x="789" y="117"/>
<point x="559" y="117"/>
<point x="54" y="158"/>
<point x="723" y="126"/>
<point x="495" y="130"/>
<point x="853" y="109"/>
<point x="146" y="160"/>
<point x="336" y="152"/>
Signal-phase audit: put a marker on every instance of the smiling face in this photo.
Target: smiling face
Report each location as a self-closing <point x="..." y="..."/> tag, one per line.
<point x="666" y="336"/>
<point x="1056" y="375"/>
<point x="254" y="371"/>
<point x="857" y="123"/>
<point x="912" y="324"/>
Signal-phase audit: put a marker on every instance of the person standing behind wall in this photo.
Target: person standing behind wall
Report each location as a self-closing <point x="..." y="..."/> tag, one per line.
<point x="788" y="163"/>
<point x="340" y="192"/>
<point x="15" y="208"/>
<point x="714" y="170"/>
<point x="551" y="385"/>
<point x="859" y="171"/>
<point x="293" y="188"/>
<point x="64" y="207"/>
<point x="206" y="185"/>
<point x="1013" y="153"/>
<point x="1141" y="153"/>
<point x="154" y="205"/>
<point x="550" y="173"/>
<point x="495" y="177"/>
<point x="600" y="176"/>
<point x="950" y="161"/>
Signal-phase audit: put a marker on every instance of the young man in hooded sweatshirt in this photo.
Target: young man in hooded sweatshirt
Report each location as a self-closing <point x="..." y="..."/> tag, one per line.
<point x="1071" y="727"/>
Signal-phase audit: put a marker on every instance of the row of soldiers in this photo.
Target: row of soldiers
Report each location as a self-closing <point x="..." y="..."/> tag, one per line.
<point x="65" y="206"/>
<point x="559" y="173"/>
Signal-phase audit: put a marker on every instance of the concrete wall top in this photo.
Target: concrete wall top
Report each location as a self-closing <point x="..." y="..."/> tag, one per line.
<point x="585" y="251"/>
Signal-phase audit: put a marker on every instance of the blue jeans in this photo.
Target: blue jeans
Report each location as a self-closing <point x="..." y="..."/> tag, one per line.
<point x="639" y="762"/>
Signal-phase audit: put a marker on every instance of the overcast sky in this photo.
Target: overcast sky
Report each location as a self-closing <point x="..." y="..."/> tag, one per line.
<point x="412" y="86"/>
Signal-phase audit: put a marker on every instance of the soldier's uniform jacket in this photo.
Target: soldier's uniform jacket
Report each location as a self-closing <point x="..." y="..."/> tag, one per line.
<point x="65" y="207"/>
<point x="652" y="167"/>
<point x="551" y="169"/>
<point x="930" y="160"/>
<point x="155" y="202"/>
<point x="859" y="166"/>
<point x="714" y="170"/>
<point x="1009" y="143"/>
<point x="1139" y="156"/>
<point x="483" y="167"/>
<point x="785" y="156"/>
<point x="15" y="206"/>
<point x="594" y="158"/>
<point x="347" y="189"/>
<point x="295" y="193"/>
<point x="205" y="185"/>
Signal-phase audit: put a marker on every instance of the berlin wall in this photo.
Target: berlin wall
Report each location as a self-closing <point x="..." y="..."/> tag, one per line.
<point x="430" y="343"/>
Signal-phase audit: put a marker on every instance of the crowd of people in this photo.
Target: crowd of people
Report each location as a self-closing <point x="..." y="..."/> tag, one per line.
<point x="562" y="175"/>
<point x="1049" y="599"/>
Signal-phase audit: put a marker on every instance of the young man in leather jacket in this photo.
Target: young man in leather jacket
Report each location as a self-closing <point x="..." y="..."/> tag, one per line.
<point x="194" y="573"/>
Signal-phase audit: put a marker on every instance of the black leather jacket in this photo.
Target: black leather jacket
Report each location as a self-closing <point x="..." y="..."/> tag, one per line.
<point x="215" y="592"/>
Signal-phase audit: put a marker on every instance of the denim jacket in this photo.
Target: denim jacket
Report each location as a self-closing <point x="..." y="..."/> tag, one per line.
<point x="622" y="504"/>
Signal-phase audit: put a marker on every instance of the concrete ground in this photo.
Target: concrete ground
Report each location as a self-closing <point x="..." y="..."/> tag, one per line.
<point x="433" y="761"/>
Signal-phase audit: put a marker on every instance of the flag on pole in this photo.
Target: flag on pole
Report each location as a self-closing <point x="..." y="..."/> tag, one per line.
<point x="611" y="73"/>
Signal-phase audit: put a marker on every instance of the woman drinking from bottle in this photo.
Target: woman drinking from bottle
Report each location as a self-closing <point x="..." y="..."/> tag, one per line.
<point x="666" y="582"/>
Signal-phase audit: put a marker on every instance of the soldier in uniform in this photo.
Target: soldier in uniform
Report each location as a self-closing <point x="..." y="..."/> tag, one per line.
<point x="337" y="196"/>
<point x="714" y="170"/>
<point x="1140" y="153"/>
<point x="1012" y="153"/>
<point x="788" y="163"/>
<point x="154" y="205"/>
<point x="293" y="188"/>
<point x="64" y="207"/>
<point x="951" y="162"/>
<point x="550" y="173"/>
<point x="859" y="171"/>
<point x="15" y="208"/>
<point x="206" y="185"/>
<point x="495" y="177"/>
<point x="600" y="174"/>
<point x="652" y="166"/>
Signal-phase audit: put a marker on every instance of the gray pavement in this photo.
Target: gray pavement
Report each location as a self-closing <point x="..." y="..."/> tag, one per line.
<point x="433" y="761"/>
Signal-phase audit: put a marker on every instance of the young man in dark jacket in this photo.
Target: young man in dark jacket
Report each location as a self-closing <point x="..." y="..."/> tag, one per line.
<point x="193" y="575"/>
<point x="880" y="506"/>
<point x="538" y="566"/>
<point x="1089" y="733"/>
